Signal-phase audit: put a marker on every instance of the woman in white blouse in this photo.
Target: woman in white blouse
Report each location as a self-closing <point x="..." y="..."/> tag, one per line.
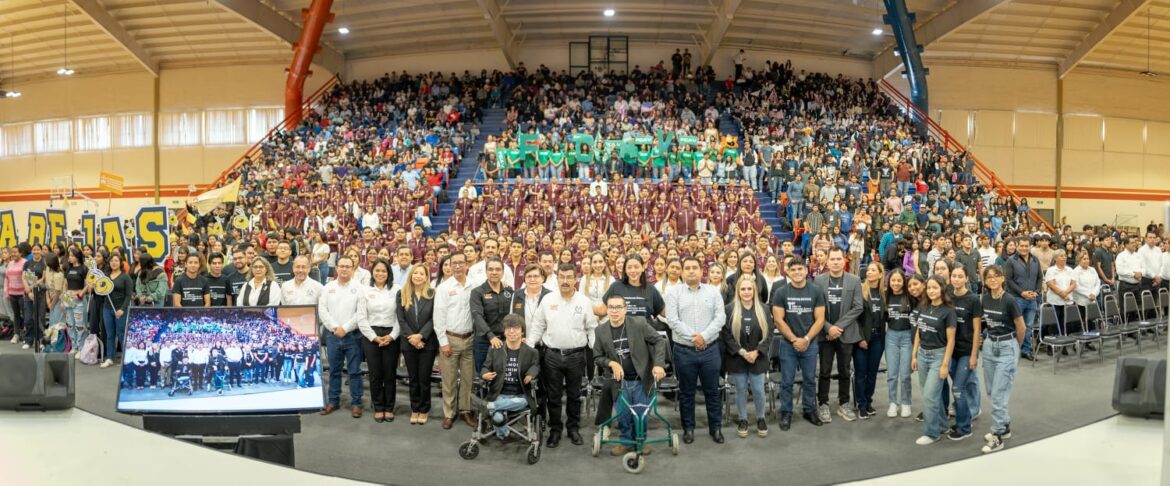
<point x="672" y="278"/>
<point x="1060" y="281"/>
<point x="1088" y="283"/>
<point x="380" y="329"/>
<point x="772" y="273"/>
<point x="261" y="289"/>
<point x="597" y="279"/>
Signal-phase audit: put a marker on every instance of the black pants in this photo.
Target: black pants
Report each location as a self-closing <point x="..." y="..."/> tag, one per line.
<point x="1128" y="288"/>
<point x="17" y="304"/>
<point x="234" y="375"/>
<point x="562" y="374"/>
<point x="382" y="362"/>
<point x="197" y="374"/>
<point x="843" y="353"/>
<point x="419" y="364"/>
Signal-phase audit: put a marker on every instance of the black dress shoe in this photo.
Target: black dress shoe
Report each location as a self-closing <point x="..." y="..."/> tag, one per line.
<point x="688" y="436"/>
<point x="812" y="418"/>
<point x="554" y="440"/>
<point x="1028" y="357"/>
<point x="575" y="437"/>
<point x="717" y="436"/>
<point x="785" y="421"/>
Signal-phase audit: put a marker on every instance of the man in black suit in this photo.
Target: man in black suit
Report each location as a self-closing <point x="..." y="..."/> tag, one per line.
<point x="632" y="351"/>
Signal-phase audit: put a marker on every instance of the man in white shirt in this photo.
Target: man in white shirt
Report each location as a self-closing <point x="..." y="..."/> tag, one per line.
<point x="371" y="220"/>
<point x="301" y="290"/>
<point x="986" y="251"/>
<point x="548" y="265"/>
<point x="477" y="274"/>
<point x="1130" y="268"/>
<point x="340" y="309"/>
<point x="564" y="323"/>
<point x="1151" y="256"/>
<point x="454" y="329"/>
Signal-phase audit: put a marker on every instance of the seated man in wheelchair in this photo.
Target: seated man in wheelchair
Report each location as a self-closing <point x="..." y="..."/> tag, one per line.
<point x="219" y="372"/>
<point x="182" y="377"/>
<point x="632" y="351"/>
<point x="507" y="373"/>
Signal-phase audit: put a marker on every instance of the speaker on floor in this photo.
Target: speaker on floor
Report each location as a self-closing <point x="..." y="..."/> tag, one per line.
<point x="1139" y="387"/>
<point x="41" y="381"/>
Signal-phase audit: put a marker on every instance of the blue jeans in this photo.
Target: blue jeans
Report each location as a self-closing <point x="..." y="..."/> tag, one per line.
<point x="502" y="404"/>
<point x="865" y="370"/>
<point x="999" y="371"/>
<point x="934" y="421"/>
<point x="898" y="344"/>
<point x="749" y="173"/>
<point x="346" y="348"/>
<point x="790" y="359"/>
<point x="905" y="188"/>
<point x="1028" y="308"/>
<point x="971" y="393"/>
<point x="797" y="208"/>
<point x="480" y="351"/>
<point x="961" y="379"/>
<point x="115" y="327"/>
<point x="323" y="272"/>
<point x="742" y="382"/>
<point x="637" y="400"/>
<point x="691" y="366"/>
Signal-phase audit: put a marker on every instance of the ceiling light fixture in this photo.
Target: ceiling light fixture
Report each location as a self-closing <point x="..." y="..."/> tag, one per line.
<point x="343" y="30"/>
<point x="609" y="12"/>
<point x="65" y="70"/>
<point x="1149" y="73"/>
<point x="878" y="31"/>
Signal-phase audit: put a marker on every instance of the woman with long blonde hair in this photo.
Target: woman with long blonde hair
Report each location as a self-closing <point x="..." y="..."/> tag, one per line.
<point x="746" y="339"/>
<point x="597" y="279"/>
<point x="415" y="312"/>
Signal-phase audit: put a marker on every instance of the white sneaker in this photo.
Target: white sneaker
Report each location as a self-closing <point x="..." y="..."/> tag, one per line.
<point x="15" y="339"/>
<point x="847" y="412"/>
<point x="893" y="411"/>
<point x="825" y="414"/>
<point x="926" y="440"/>
<point x="77" y="355"/>
<point x="24" y="346"/>
<point x="906" y="413"/>
<point x="107" y="363"/>
<point x="992" y="445"/>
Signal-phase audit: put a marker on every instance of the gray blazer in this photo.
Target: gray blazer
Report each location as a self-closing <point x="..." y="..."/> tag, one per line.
<point x="851" y="306"/>
<point x="643" y="339"/>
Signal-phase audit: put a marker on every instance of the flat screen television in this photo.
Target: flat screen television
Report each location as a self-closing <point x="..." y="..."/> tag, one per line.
<point x="229" y="360"/>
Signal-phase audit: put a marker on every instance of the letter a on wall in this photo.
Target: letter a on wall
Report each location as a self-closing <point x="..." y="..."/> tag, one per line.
<point x="38" y="228"/>
<point x="57" y="229"/>
<point x="153" y="231"/>
<point x="112" y="236"/>
<point x="8" y="238"/>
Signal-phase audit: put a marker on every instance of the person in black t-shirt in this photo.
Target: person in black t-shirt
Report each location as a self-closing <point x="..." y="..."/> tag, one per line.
<point x="190" y="288"/>
<point x="642" y="300"/>
<point x="867" y="355"/>
<point x="282" y="265"/>
<point x="218" y="285"/>
<point x="899" y="339"/>
<point x="934" y="344"/>
<point x="1001" y="353"/>
<point x="238" y="273"/>
<point x="509" y="370"/>
<point x="798" y="309"/>
<point x="964" y="378"/>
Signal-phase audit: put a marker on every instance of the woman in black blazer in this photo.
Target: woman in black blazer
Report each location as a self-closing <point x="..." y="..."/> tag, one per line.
<point x="746" y="266"/>
<point x="745" y="341"/>
<point x="416" y="307"/>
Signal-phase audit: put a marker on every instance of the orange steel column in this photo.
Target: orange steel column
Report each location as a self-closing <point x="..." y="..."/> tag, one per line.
<point x="314" y="19"/>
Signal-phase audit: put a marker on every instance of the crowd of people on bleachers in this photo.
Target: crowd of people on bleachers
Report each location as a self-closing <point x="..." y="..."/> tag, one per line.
<point x="889" y="249"/>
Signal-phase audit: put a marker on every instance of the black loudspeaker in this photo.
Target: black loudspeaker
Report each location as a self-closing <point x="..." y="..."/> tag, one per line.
<point x="1139" y="387"/>
<point x="41" y="381"/>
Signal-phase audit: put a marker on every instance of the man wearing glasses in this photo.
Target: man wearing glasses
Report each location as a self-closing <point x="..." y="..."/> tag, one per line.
<point x="454" y="328"/>
<point x="632" y="351"/>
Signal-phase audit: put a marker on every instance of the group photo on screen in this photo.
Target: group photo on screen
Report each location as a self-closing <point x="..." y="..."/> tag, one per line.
<point x="216" y="360"/>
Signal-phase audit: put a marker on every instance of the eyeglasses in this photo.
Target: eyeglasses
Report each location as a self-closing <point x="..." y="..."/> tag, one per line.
<point x="615" y="307"/>
<point x="345" y="266"/>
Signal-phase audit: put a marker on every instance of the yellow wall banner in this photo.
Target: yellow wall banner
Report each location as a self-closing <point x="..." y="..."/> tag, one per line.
<point x="111" y="182"/>
<point x="153" y="233"/>
<point x="8" y="237"/>
<point x="38" y="228"/>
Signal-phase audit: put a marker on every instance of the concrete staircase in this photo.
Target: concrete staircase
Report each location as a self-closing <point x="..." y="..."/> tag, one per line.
<point x="493" y="124"/>
<point x="769" y="209"/>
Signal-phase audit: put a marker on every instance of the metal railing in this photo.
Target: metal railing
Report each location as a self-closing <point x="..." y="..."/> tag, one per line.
<point x="981" y="171"/>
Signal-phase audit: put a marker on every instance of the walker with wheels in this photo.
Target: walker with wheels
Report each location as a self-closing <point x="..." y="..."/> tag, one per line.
<point x="635" y="460"/>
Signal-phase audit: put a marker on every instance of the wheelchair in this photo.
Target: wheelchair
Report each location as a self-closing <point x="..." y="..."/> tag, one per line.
<point x="182" y="383"/>
<point x="527" y="425"/>
<point x="634" y="461"/>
